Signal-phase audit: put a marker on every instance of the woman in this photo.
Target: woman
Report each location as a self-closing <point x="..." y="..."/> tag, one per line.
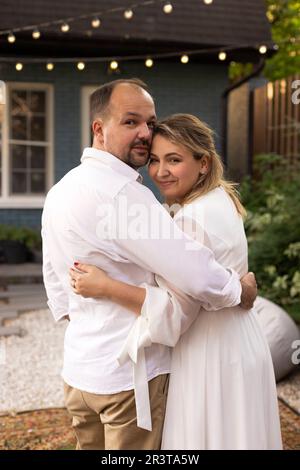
<point x="222" y="392"/>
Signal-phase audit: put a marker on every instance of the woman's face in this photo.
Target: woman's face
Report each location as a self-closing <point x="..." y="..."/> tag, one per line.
<point x="173" y="168"/>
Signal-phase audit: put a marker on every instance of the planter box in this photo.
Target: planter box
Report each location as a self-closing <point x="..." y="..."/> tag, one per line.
<point x="13" y="252"/>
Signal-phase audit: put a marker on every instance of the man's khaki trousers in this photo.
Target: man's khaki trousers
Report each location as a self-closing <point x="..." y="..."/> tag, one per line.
<point x="109" y="421"/>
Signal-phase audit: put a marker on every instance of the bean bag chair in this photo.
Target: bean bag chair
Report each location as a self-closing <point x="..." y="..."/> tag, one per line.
<point x="281" y="331"/>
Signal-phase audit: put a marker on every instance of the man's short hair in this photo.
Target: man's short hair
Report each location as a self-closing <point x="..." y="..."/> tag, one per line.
<point x="100" y="99"/>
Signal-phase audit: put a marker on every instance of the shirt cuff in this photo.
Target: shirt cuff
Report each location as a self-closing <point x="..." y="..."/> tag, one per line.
<point x="58" y="313"/>
<point x="230" y="295"/>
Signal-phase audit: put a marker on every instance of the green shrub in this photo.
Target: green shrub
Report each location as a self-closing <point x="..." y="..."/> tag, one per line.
<point x="31" y="238"/>
<point x="272" y="199"/>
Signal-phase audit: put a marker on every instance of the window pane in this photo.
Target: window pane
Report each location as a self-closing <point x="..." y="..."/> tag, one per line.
<point x="38" y="157"/>
<point x="19" y="128"/>
<point x="38" y="131"/>
<point x="19" y="157"/>
<point x="27" y="125"/>
<point x="38" y="182"/>
<point x="37" y="101"/>
<point x="18" y="183"/>
<point x="19" y="103"/>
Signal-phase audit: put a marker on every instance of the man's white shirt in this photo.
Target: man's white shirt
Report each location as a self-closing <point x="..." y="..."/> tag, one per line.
<point x="92" y="216"/>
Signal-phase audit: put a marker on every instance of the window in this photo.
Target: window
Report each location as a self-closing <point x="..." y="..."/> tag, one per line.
<point x="27" y="145"/>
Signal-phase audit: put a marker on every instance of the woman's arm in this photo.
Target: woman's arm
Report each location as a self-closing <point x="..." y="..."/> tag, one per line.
<point x="90" y="281"/>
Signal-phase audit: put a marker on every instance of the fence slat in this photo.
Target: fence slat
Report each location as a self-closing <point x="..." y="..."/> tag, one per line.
<point x="276" y="126"/>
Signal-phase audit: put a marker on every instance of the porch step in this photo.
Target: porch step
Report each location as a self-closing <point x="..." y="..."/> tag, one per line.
<point x="14" y="288"/>
<point x="16" y="299"/>
<point x="27" y="273"/>
<point x="12" y="330"/>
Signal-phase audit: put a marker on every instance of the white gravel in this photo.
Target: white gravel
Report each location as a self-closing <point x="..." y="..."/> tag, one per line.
<point x="30" y="366"/>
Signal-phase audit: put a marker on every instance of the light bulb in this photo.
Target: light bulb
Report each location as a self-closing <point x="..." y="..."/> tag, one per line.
<point x="222" y="56"/>
<point x="184" y="59"/>
<point x="96" y="22"/>
<point x="263" y="49"/>
<point x="208" y="2"/>
<point x="149" y="63"/>
<point x="81" y="65"/>
<point x="11" y="38"/>
<point x="65" y="28"/>
<point x="168" y="8"/>
<point x="114" y="65"/>
<point x="36" y="34"/>
<point x="50" y="66"/>
<point x="19" y="66"/>
<point x="128" y="14"/>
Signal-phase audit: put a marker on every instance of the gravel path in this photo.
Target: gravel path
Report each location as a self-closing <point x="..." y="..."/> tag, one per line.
<point x="30" y="367"/>
<point x="30" y="376"/>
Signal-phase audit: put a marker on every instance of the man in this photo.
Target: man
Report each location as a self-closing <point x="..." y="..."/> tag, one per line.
<point x="99" y="392"/>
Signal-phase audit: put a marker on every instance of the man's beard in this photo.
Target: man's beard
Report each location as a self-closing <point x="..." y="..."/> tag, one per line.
<point x="134" y="160"/>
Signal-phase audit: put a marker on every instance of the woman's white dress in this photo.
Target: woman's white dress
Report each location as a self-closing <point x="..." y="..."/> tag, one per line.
<point x="222" y="392"/>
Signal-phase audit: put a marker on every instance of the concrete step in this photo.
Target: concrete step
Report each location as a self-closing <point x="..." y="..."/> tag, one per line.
<point x="8" y="315"/>
<point x="24" y="298"/>
<point x="12" y="330"/>
<point x="21" y="289"/>
<point x="27" y="273"/>
<point x="38" y="305"/>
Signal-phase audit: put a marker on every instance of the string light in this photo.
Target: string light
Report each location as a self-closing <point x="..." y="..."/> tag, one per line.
<point x="149" y="63"/>
<point x="263" y="49"/>
<point x="168" y="8"/>
<point x="11" y="38"/>
<point x="36" y="34"/>
<point x="128" y="14"/>
<point x="113" y="62"/>
<point x="81" y="65"/>
<point x="65" y="27"/>
<point x="208" y="2"/>
<point x="96" y="22"/>
<point x="19" y="66"/>
<point x="114" y="65"/>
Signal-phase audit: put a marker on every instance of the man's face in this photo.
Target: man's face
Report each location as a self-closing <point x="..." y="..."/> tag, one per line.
<point x="127" y="130"/>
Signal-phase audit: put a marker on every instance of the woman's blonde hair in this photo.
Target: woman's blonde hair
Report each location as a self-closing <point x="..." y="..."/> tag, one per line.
<point x="187" y="130"/>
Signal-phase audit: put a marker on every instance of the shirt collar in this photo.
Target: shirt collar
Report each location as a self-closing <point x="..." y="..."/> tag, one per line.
<point x="104" y="158"/>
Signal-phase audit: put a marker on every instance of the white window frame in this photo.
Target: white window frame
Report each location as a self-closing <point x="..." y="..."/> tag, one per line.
<point x="23" y="201"/>
<point x="86" y="92"/>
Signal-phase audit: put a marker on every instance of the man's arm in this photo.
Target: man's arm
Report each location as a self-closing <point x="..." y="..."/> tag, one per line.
<point x="58" y="301"/>
<point x="174" y="256"/>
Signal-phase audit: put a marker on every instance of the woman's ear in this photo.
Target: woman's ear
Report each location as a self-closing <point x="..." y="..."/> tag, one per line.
<point x="204" y="165"/>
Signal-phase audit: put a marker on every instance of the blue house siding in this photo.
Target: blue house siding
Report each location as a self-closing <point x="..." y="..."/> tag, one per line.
<point x="191" y="88"/>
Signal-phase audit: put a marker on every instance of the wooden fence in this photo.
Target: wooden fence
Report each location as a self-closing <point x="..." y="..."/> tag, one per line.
<point x="276" y="120"/>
